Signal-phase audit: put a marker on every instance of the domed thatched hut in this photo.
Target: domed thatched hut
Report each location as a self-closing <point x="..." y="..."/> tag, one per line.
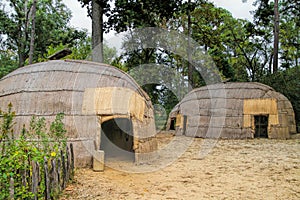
<point x="233" y="110"/>
<point x="100" y="103"/>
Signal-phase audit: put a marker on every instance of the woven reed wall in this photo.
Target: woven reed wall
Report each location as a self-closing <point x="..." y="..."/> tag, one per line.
<point x="228" y="110"/>
<point x="46" y="89"/>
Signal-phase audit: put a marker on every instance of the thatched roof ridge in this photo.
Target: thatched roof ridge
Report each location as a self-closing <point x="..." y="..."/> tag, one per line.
<point x="234" y="90"/>
<point x="62" y="65"/>
<point x="231" y="92"/>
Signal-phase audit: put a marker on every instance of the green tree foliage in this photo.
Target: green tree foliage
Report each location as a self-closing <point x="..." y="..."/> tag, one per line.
<point x="128" y="15"/>
<point x="288" y="83"/>
<point x="136" y="14"/>
<point x="8" y="62"/>
<point x="82" y="50"/>
<point x="208" y="26"/>
<point x="289" y="32"/>
<point x="52" y="18"/>
<point x="216" y="32"/>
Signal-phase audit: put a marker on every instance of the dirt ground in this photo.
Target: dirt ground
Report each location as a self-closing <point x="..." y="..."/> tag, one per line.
<point x="234" y="169"/>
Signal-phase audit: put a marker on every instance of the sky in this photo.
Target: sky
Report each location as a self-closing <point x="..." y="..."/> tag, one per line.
<point x="236" y="7"/>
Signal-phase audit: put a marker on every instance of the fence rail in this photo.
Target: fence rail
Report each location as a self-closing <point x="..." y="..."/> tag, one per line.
<point x="56" y="174"/>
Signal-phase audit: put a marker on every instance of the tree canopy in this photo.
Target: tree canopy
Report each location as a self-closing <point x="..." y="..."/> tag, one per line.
<point x="53" y="28"/>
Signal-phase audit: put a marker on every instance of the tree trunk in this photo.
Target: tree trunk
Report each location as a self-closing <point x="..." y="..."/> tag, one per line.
<point x="190" y="67"/>
<point x="31" y="50"/>
<point x="97" y="32"/>
<point x="21" y="55"/>
<point x="22" y="38"/>
<point x="270" y="64"/>
<point x="276" y="36"/>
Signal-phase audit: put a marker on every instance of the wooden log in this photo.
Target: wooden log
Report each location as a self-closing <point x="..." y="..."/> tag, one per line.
<point x="60" y="54"/>
<point x="47" y="180"/>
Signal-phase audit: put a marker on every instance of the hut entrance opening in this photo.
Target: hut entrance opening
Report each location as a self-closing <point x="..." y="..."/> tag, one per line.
<point x="173" y="123"/>
<point x="184" y="124"/>
<point x="117" y="139"/>
<point x="261" y="126"/>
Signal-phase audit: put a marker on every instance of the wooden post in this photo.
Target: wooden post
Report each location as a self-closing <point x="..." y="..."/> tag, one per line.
<point x="72" y="161"/>
<point x="54" y="182"/>
<point x="11" y="188"/>
<point x="59" y="173"/>
<point x="35" y="179"/>
<point x="23" y="176"/>
<point x="64" y="171"/>
<point x="68" y="163"/>
<point x="98" y="161"/>
<point x="47" y="181"/>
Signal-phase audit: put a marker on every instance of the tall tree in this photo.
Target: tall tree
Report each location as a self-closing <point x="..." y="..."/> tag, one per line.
<point x="190" y="67"/>
<point x="15" y="26"/>
<point x="276" y="36"/>
<point x="31" y="48"/>
<point x="208" y="24"/>
<point x="97" y="32"/>
<point x="267" y="18"/>
<point x="290" y="33"/>
<point x="96" y="10"/>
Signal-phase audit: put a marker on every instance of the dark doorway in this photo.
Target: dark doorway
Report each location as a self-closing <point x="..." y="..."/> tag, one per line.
<point x="184" y="124"/>
<point x="173" y="122"/>
<point x="261" y="126"/>
<point x="117" y="139"/>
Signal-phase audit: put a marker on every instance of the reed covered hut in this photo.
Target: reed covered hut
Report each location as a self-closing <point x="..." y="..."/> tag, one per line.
<point x="104" y="107"/>
<point x="233" y="110"/>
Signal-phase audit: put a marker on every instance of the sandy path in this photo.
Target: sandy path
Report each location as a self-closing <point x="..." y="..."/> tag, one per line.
<point x="235" y="169"/>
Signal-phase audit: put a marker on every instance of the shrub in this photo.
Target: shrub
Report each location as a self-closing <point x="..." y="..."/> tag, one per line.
<point x="18" y="151"/>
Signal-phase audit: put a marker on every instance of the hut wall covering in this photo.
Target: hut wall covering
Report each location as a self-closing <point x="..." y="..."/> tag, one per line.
<point x="88" y="94"/>
<point x="231" y="110"/>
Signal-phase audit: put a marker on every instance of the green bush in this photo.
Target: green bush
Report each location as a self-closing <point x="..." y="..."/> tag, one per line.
<point x="17" y="152"/>
<point x="288" y="83"/>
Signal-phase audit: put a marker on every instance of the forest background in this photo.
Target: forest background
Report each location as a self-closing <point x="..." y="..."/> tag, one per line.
<point x="265" y="49"/>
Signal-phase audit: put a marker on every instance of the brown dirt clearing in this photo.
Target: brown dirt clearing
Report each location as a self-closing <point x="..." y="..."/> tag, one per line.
<point x="234" y="169"/>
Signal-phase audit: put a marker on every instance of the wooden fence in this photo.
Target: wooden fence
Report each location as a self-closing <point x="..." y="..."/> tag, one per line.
<point x="55" y="174"/>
